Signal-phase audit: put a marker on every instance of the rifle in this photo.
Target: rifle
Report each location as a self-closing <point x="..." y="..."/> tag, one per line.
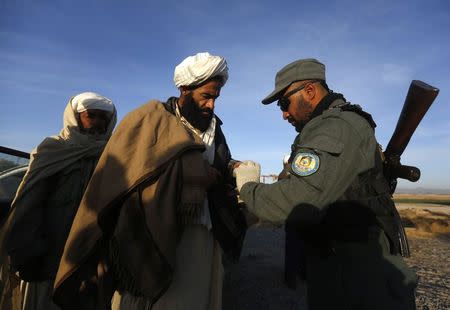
<point x="418" y="100"/>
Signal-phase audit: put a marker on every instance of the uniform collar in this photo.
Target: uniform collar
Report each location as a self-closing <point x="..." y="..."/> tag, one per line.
<point x="329" y="101"/>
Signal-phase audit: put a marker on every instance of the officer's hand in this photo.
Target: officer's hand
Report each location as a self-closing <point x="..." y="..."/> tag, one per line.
<point x="248" y="171"/>
<point x="245" y="162"/>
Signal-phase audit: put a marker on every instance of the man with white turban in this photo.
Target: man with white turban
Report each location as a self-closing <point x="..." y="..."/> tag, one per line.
<point x="171" y="211"/>
<point x="198" y="271"/>
<point x="220" y="225"/>
<point x="49" y="195"/>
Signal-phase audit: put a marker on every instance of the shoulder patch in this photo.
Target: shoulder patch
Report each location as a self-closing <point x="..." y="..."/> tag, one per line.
<point x="305" y="164"/>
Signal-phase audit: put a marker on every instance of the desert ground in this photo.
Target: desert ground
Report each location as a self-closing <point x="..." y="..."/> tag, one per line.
<point x="257" y="281"/>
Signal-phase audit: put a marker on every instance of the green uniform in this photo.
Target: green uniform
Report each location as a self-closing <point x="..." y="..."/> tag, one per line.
<point x="339" y="200"/>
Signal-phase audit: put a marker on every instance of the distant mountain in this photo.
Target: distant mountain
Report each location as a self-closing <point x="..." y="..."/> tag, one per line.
<point x="422" y="190"/>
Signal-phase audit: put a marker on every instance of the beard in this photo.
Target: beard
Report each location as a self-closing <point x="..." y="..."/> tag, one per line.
<point x="306" y="109"/>
<point x="198" y="117"/>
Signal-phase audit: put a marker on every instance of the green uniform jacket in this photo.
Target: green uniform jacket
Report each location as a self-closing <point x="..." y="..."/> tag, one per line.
<point x="339" y="148"/>
<point x="345" y="144"/>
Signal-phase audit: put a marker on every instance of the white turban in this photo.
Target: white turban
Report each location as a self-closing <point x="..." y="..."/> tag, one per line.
<point x="198" y="68"/>
<point x="89" y="100"/>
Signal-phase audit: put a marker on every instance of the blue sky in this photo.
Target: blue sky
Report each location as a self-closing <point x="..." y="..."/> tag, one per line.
<point x="127" y="50"/>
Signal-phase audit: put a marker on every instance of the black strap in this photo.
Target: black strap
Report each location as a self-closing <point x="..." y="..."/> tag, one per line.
<point x="358" y="110"/>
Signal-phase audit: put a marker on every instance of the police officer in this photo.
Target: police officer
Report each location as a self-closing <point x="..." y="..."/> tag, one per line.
<point x="337" y="197"/>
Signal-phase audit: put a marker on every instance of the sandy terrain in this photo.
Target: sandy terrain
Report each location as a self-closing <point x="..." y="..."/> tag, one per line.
<point x="425" y="220"/>
<point x="256" y="282"/>
<point x="424" y="206"/>
<point x="430" y="259"/>
<point x="423" y="196"/>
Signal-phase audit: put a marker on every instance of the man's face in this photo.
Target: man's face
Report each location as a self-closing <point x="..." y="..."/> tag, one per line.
<point x="299" y="110"/>
<point x="198" y="105"/>
<point x="94" y="121"/>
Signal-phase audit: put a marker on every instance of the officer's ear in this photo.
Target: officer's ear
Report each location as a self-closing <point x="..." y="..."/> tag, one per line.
<point x="311" y="91"/>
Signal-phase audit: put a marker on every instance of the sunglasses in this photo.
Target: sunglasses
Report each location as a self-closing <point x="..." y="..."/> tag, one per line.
<point x="284" y="102"/>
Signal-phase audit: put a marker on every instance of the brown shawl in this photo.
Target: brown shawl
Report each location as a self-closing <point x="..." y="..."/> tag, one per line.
<point x="150" y="166"/>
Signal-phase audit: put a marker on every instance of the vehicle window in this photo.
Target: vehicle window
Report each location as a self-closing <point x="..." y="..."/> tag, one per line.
<point x="9" y="185"/>
<point x="13" y="165"/>
<point x="8" y="161"/>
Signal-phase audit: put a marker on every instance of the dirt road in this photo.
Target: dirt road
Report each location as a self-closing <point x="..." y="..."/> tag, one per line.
<point x="431" y="260"/>
<point x="256" y="283"/>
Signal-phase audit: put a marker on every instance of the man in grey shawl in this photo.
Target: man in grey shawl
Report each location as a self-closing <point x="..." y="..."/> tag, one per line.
<point x="48" y="197"/>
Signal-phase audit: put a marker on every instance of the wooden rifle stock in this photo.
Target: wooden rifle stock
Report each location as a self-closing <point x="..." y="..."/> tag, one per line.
<point x="418" y="100"/>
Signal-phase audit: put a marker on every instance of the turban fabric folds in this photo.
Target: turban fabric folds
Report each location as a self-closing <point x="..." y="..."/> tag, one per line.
<point x="90" y="100"/>
<point x="196" y="69"/>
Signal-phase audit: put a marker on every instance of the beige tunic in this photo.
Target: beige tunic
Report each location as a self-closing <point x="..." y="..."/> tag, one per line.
<point x="198" y="276"/>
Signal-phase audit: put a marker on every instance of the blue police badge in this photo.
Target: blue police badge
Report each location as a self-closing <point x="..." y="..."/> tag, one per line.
<point x="305" y="164"/>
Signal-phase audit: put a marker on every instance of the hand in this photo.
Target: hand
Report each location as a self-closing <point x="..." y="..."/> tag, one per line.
<point x="247" y="171"/>
<point x="245" y="163"/>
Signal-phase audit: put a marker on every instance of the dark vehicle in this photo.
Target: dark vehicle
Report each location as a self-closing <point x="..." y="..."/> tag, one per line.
<point x="13" y="165"/>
